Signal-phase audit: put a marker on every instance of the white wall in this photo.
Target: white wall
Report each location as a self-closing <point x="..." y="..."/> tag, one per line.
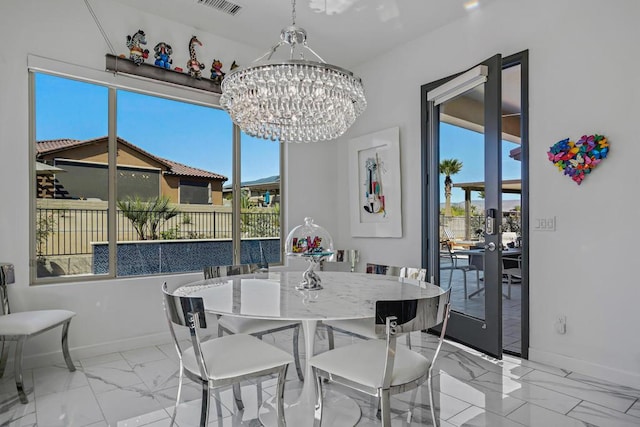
<point x="584" y="80"/>
<point x="113" y="314"/>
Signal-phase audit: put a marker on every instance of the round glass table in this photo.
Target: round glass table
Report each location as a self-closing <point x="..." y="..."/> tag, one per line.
<point x="274" y="295"/>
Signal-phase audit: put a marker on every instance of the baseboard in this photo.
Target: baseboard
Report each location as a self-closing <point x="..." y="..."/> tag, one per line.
<point x="84" y="352"/>
<point x="606" y="373"/>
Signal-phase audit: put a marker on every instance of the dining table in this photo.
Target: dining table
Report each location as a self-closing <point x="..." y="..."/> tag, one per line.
<point x="273" y="295"/>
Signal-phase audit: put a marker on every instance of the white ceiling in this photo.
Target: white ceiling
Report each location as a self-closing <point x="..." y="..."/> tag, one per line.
<point x="343" y="32"/>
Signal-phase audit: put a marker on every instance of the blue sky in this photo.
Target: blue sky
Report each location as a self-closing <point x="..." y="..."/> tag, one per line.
<point x="467" y="146"/>
<point x="194" y="135"/>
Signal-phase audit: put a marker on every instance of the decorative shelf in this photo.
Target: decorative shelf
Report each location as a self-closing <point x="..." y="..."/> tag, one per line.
<point x="126" y="66"/>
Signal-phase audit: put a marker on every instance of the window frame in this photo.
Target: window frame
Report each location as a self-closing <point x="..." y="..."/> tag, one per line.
<point x="113" y="83"/>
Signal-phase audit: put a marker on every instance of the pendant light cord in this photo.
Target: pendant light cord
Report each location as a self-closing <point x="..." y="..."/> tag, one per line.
<point x="293" y="13"/>
<point x="104" y="34"/>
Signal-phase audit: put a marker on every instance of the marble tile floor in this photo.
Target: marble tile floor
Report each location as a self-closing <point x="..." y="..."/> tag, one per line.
<point x="138" y="387"/>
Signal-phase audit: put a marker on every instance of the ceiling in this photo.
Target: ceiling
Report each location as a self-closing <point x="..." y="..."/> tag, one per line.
<point x="343" y="32"/>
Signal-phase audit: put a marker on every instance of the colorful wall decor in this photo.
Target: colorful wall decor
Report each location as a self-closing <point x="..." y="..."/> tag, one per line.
<point x="578" y="159"/>
<point x="374" y="175"/>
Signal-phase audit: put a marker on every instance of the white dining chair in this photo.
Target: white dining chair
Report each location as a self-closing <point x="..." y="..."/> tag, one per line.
<point x="364" y="328"/>
<point x="341" y="260"/>
<point x="223" y="361"/>
<point x="256" y="327"/>
<point x="23" y="325"/>
<point x="379" y="367"/>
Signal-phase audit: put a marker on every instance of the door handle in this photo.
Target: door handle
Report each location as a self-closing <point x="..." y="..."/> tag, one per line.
<point x="490" y="246"/>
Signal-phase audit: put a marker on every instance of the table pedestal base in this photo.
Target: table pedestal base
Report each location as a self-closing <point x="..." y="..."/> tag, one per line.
<point x="338" y="410"/>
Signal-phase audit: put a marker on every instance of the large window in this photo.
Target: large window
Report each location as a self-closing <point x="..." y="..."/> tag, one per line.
<point x="133" y="184"/>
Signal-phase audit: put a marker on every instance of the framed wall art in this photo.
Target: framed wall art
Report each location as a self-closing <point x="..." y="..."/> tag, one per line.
<point x="374" y="184"/>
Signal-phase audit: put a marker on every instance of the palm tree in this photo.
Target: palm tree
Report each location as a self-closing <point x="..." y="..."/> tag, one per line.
<point x="449" y="167"/>
<point x="147" y="215"/>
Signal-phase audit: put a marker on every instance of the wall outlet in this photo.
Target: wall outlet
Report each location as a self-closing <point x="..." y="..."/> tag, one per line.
<point x="561" y="324"/>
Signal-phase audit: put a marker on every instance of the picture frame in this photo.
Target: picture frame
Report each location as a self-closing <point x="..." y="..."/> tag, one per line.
<point x="374" y="184"/>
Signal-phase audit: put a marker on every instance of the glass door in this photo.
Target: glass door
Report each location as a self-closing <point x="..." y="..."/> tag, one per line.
<point x="463" y="205"/>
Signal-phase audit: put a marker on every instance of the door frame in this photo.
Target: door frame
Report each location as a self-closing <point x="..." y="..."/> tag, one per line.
<point x="430" y="256"/>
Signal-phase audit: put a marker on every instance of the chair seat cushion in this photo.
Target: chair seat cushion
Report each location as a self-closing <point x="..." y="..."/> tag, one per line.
<point x="364" y="362"/>
<point x="235" y="355"/>
<point x="362" y="327"/>
<point x="32" y="322"/>
<point x="243" y="325"/>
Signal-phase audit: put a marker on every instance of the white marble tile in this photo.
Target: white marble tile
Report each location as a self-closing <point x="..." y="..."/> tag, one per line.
<point x="142" y="355"/>
<point x="535" y="365"/>
<point x="8" y="382"/>
<point x="611" y="387"/>
<point x="478" y="417"/>
<point x="112" y="375"/>
<point x="169" y="350"/>
<point x="191" y="393"/>
<point x="417" y="401"/>
<point x="75" y="407"/>
<point x="635" y="409"/>
<point x="145" y="419"/>
<point x="28" y="420"/>
<point x="159" y="374"/>
<point x="101" y="359"/>
<point x="477" y="395"/>
<point x="602" y="416"/>
<point x="580" y="390"/>
<point x="55" y="379"/>
<point x="122" y="404"/>
<point x="533" y="415"/>
<point x="527" y="392"/>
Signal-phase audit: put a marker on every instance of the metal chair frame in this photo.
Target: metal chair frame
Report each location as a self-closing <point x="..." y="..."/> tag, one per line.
<point x="189" y="312"/>
<point x="394" y="318"/>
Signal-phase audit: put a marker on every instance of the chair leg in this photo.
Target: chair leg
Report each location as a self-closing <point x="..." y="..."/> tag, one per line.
<point x="317" y="415"/>
<point x="409" y="340"/>
<point x="204" y="410"/>
<point x="237" y="396"/>
<point x="332" y="343"/>
<point x="464" y="280"/>
<point x="431" y="400"/>
<point x="296" y="352"/>
<point x="18" y="370"/>
<point x="282" y="377"/>
<point x="385" y="404"/>
<point x="65" y="346"/>
<point x="4" y="356"/>
<point x="175" y="408"/>
<point x="220" y="331"/>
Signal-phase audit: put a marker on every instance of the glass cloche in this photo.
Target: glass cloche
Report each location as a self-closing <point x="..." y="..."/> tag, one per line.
<point x="313" y="243"/>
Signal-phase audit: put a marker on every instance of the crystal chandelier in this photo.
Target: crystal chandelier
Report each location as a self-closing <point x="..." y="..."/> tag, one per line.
<point x="293" y="100"/>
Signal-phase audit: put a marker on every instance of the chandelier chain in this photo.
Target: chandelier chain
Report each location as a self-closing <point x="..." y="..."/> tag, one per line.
<point x="293" y="12"/>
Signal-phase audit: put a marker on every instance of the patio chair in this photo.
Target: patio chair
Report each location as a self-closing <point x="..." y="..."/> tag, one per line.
<point x="450" y="261"/>
<point x="20" y="326"/>
<point x="387" y="368"/>
<point x="222" y="361"/>
<point x="513" y="275"/>
<point x="364" y="328"/>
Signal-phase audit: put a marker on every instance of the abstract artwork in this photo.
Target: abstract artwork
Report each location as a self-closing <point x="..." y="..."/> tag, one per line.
<point x="374" y="176"/>
<point x="578" y="159"/>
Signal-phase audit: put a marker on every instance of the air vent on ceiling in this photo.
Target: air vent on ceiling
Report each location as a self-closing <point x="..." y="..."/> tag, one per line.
<point x="223" y="6"/>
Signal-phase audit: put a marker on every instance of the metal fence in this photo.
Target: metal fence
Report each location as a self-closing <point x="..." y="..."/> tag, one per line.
<point x="72" y="231"/>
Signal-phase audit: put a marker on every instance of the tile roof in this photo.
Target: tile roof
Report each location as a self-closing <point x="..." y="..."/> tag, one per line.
<point x="173" y="168"/>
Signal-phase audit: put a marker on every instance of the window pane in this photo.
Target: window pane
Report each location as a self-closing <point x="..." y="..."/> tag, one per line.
<point x="177" y="157"/>
<point x="260" y="217"/>
<point x="70" y="228"/>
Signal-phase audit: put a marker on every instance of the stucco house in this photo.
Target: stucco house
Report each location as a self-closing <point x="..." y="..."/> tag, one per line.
<point x="140" y="173"/>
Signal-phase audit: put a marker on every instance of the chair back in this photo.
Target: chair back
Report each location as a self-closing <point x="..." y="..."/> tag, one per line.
<point x="412" y="315"/>
<point x="411" y="275"/>
<point x="233" y="270"/>
<point x="341" y="260"/>
<point x="188" y="312"/>
<point x="7" y="276"/>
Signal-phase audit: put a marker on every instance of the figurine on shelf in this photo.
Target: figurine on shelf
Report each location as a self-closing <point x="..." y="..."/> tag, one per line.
<point x="234" y="65"/>
<point x="136" y="53"/>
<point x="193" y="65"/>
<point x="163" y="55"/>
<point x="216" y="71"/>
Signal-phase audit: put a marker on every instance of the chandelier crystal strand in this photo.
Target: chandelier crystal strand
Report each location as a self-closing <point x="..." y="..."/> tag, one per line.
<point x="293" y="100"/>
